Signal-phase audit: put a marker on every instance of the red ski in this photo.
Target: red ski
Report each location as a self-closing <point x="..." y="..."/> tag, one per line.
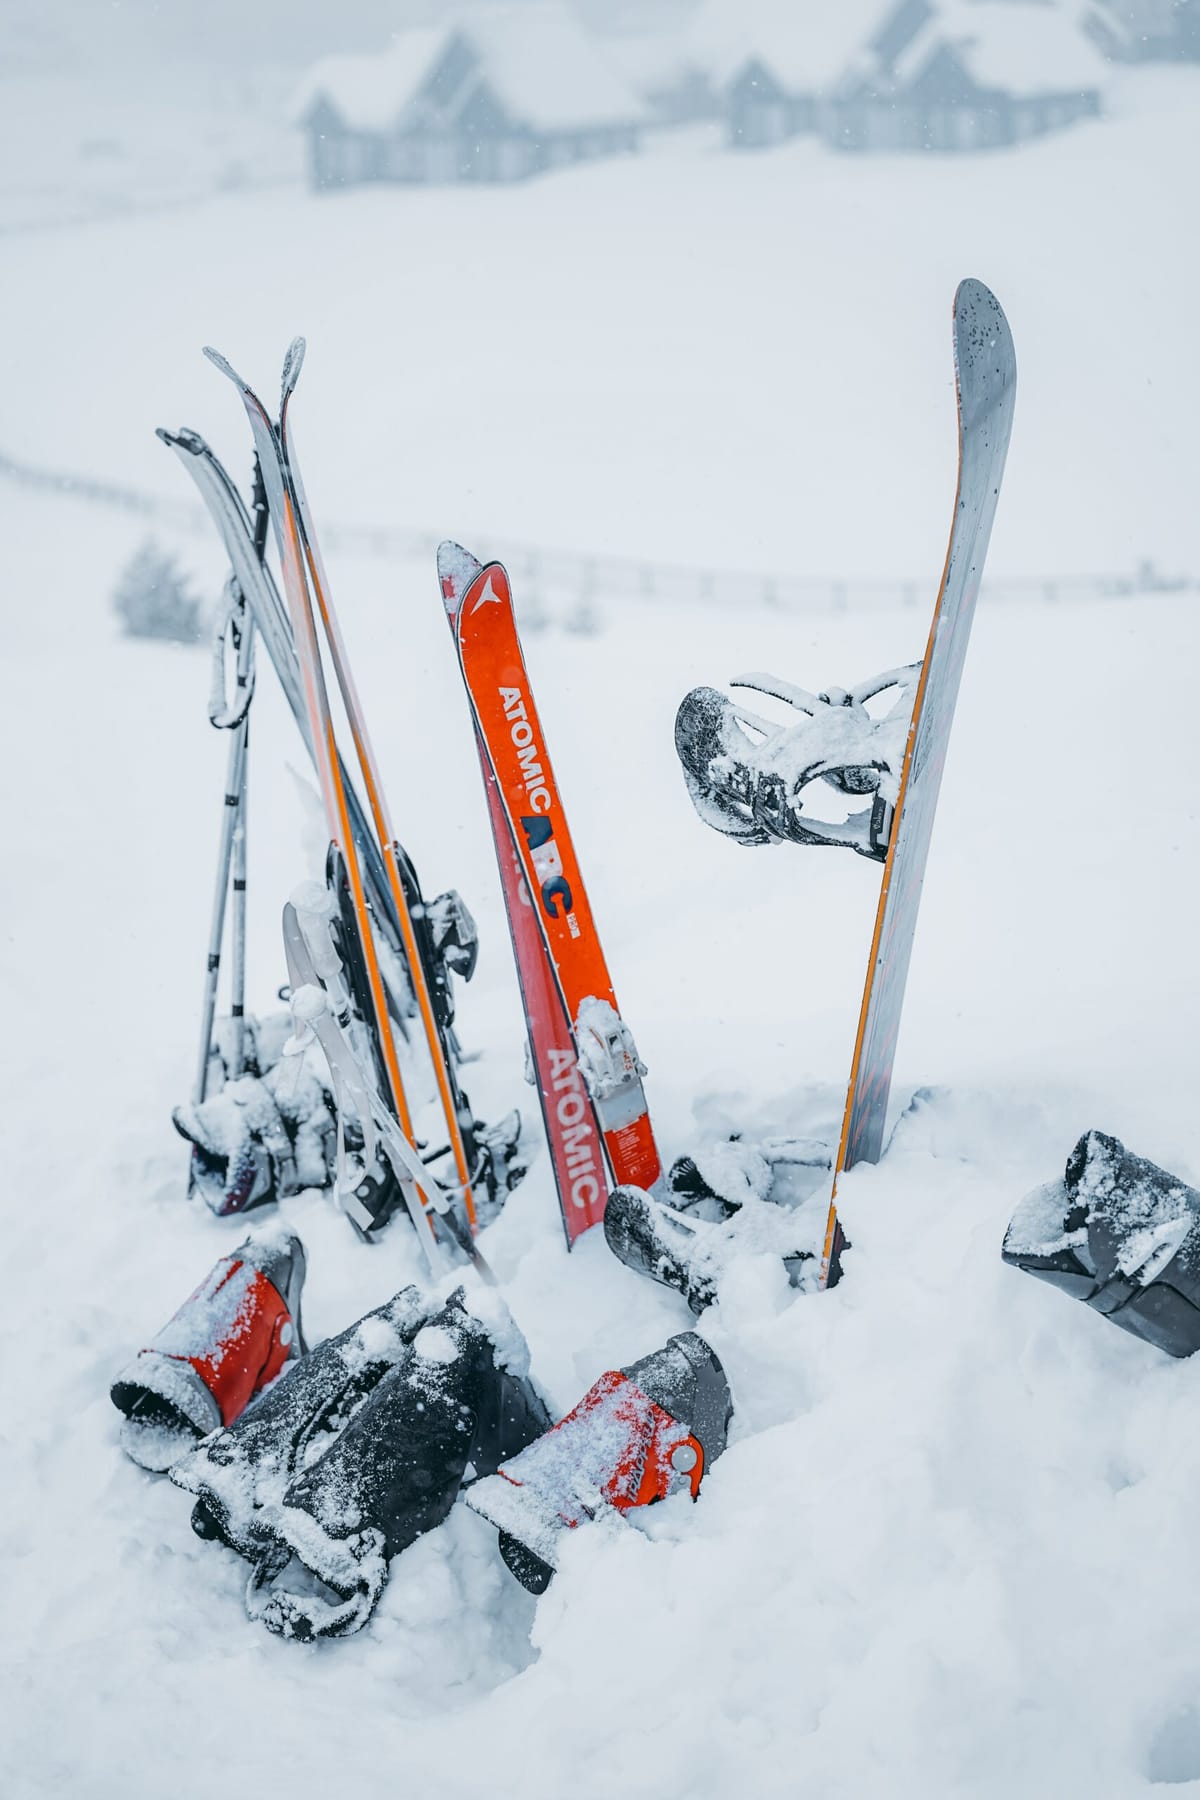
<point x="574" y="1024"/>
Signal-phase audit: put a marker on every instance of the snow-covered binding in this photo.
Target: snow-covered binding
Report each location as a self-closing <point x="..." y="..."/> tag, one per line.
<point x="717" y="1178"/>
<point x="638" y="1435"/>
<point x="231" y="1337"/>
<point x="1120" y="1234"/>
<point x="749" y="777"/>
<point x="240" y="1474"/>
<point x="261" y="1139"/>
<point x="691" y="1254"/>
<point x="458" y="1396"/>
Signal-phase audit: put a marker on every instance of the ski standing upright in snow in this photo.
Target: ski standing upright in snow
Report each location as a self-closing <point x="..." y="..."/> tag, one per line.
<point x="523" y="794"/>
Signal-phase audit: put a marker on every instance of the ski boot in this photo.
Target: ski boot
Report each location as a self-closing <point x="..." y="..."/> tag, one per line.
<point x="226" y="1342"/>
<point x="691" y="1254"/>
<point x="457" y="1396"/>
<point x="1120" y="1234"/>
<point x="261" y="1139"/>
<point x="638" y="1435"/>
<point x="239" y="1474"/>
<point x="747" y="776"/>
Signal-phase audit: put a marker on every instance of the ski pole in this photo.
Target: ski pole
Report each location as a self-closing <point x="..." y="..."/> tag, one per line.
<point x="238" y="629"/>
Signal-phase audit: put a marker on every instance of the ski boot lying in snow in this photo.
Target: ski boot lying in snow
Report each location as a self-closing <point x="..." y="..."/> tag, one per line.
<point x="748" y="777"/>
<point x="359" y="1452"/>
<point x="1120" y="1234"/>
<point x="638" y="1435"/>
<point x="727" y="1200"/>
<point x="227" y="1341"/>
<point x="262" y="1137"/>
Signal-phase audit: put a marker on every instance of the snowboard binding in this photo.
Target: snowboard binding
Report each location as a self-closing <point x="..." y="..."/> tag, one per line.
<point x="750" y="778"/>
<point x="1120" y="1234"/>
<point x="228" y="1340"/>
<point x="638" y="1435"/>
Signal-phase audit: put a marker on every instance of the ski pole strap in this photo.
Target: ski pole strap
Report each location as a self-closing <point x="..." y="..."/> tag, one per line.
<point x="234" y="636"/>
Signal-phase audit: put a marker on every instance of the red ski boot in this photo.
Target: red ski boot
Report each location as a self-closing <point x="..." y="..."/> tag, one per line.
<point x="225" y="1343"/>
<point x="638" y="1435"/>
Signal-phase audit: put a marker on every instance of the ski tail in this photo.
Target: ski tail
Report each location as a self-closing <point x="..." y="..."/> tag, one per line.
<point x="985" y="384"/>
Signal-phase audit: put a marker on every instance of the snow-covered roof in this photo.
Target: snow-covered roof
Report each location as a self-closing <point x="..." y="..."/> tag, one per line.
<point x="535" y="59"/>
<point x="546" y="70"/>
<point x="1015" y="46"/>
<point x="808" y="45"/>
<point x="371" y="92"/>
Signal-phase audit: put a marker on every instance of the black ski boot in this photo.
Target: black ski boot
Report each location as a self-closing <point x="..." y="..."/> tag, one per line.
<point x="227" y="1341"/>
<point x="689" y="1254"/>
<point x="454" y="1399"/>
<point x="240" y="1474"/>
<point x="747" y="776"/>
<point x="638" y="1435"/>
<point x="1120" y="1234"/>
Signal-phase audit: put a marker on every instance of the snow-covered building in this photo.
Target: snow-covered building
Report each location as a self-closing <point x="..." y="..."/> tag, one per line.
<point x="971" y="75"/>
<point x="1146" y="30"/>
<point x="776" y="66"/>
<point x="504" y="94"/>
<point x="906" y="74"/>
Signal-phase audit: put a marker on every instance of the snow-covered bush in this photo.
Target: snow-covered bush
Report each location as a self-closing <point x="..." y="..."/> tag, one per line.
<point x="153" y="597"/>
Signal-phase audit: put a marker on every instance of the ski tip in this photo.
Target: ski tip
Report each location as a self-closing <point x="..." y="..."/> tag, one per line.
<point x="226" y="367"/>
<point x="981" y="331"/>
<point x="457" y="569"/>
<point x="293" y="362"/>
<point x="184" y="439"/>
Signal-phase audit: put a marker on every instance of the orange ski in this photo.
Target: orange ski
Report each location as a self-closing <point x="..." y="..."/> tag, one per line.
<point x="572" y="1134"/>
<point x="506" y="717"/>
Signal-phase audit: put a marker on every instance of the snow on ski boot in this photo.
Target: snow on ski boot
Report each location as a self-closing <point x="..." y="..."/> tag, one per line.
<point x="458" y="1397"/>
<point x="227" y="1341"/>
<point x="261" y="1139"/>
<point x="748" y="777"/>
<point x="691" y="1254"/>
<point x="1120" y="1234"/>
<point x="240" y="1473"/>
<point x="713" y="1182"/>
<point x="638" y="1435"/>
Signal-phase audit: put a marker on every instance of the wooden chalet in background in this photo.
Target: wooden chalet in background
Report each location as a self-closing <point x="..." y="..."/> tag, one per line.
<point x="1146" y="30"/>
<point x="930" y="75"/>
<point x="506" y="95"/>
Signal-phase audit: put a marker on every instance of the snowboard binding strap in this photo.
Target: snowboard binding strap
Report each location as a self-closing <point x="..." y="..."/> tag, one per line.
<point x="747" y="776"/>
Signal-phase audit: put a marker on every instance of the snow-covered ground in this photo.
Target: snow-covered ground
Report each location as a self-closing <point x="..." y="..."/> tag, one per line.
<point x="951" y="1548"/>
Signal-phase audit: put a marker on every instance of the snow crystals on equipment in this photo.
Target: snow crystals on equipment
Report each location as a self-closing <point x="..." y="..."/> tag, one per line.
<point x="1120" y="1234"/>
<point x="228" y="1340"/>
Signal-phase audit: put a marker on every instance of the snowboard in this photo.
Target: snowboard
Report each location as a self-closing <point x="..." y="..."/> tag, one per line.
<point x="985" y="381"/>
